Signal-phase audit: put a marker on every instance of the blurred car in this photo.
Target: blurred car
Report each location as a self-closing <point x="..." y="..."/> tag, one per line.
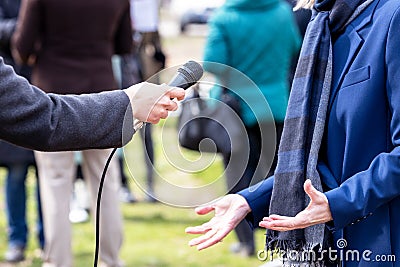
<point x="194" y="12"/>
<point x="195" y="17"/>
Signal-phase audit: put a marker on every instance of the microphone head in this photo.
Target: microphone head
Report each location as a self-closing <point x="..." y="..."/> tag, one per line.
<point x="192" y="71"/>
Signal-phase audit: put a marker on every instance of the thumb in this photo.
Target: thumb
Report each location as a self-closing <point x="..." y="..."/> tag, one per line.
<point x="177" y="93"/>
<point x="204" y="210"/>
<point x="310" y="190"/>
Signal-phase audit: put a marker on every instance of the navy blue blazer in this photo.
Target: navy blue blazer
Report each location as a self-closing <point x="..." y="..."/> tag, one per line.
<point x="360" y="157"/>
<point x="33" y="119"/>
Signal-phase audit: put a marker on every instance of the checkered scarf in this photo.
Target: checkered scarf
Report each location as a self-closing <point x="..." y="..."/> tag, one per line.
<point x="304" y="125"/>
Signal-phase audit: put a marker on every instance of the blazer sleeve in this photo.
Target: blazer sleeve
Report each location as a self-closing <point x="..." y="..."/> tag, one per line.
<point x="123" y="42"/>
<point x="258" y="197"/>
<point x="27" y="32"/>
<point x="49" y="122"/>
<point x="364" y="192"/>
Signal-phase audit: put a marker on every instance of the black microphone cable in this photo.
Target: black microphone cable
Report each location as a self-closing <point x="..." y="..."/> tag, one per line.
<point x="103" y="177"/>
<point x="138" y="125"/>
<point x="186" y="76"/>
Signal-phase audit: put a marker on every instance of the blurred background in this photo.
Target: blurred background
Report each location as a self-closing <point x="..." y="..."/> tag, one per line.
<point x="154" y="233"/>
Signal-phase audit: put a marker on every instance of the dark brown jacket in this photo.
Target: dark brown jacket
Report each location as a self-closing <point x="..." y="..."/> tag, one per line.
<point x="73" y="42"/>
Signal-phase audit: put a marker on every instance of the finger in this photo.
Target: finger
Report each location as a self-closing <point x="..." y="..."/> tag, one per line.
<point x="201" y="229"/>
<point x="172" y="106"/>
<point x="264" y="224"/>
<point x="280" y="229"/>
<point x="158" y="112"/>
<point x="278" y="217"/>
<point x="197" y="229"/>
<point x="267" y="219"/>
<point x="203" y="238"/>
<point x="163" y="113"/>
<point x="277" y="222"/>
<point x="287" y="223"/>
<point x="164" y="101"/>
<point x="267" y="222"/>
<point x="268" y="225"/>
<point x="177" y="93"/>
<point x="153" y="119"/>
<point x="310" y="190"/>
<point x="218" y="237"/>
<point x="204" y="210"/>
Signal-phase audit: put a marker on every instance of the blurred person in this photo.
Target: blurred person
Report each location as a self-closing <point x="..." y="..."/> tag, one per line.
<point x="302" y="17"/>
<point x="15" y="159"/>
<point x="72" y="44"/>
<point x="260" y="39"/>
<point x="146" y="60"/>
<point x="125" y="194"/>
<point x="336" y="187"/>
<point x="148" y="54"/>
<point x="80" y="198"/>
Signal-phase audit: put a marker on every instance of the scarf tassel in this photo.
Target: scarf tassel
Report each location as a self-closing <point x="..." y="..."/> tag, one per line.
<point x="298" y="253"/>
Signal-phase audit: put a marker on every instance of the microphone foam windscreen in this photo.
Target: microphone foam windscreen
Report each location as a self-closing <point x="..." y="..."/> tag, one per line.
<point x="192" y="71"/>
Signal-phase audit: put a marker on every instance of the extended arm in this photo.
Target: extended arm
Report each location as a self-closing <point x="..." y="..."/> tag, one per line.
<point x="123" y="38"/>
<point x="50" y="122"/>
<point x="29" y="25"/>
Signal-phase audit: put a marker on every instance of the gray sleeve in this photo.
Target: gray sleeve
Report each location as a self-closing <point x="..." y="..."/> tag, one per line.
<point x="49" y="122"/>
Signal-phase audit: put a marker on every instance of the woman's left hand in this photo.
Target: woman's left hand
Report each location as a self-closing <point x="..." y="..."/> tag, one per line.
<point x="317" y="212"/>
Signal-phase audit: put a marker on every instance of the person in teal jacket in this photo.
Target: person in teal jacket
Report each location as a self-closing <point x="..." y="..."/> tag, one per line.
<point x="258" y="38"/>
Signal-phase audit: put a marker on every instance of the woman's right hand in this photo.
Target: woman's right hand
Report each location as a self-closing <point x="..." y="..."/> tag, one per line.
<point x="230" y="210"/>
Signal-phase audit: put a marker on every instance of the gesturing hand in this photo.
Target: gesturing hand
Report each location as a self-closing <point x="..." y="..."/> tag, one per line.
<point x="317" y="212"/>
<point x="229" y="212"/>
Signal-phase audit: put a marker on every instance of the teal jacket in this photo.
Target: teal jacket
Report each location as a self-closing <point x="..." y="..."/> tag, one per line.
<point x="258" y="38"/>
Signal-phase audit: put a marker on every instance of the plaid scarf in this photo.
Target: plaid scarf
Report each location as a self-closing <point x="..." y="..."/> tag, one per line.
<point x="304" y="126"/>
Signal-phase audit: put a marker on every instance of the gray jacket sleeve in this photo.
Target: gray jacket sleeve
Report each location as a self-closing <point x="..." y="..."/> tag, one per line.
<point x="49" y="122"/>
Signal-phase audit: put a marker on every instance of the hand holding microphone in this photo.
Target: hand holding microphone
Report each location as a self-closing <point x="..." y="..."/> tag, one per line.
<point x="151" y="102"/>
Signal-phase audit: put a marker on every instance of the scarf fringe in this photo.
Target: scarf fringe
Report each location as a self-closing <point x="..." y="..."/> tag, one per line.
<point x="296" y="253"/>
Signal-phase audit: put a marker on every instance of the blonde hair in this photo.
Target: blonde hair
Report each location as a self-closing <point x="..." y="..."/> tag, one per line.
<point x="307" y="4"/>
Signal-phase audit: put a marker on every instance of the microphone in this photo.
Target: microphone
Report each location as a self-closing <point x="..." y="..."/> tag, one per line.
<point x="186" y="76"/>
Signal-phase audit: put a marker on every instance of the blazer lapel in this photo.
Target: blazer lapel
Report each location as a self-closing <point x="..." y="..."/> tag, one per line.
<point x="353" y="48"/>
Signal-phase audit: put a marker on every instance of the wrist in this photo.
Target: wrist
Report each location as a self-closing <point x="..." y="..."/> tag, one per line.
<point x="243" y="204"/>
<point x="132" y="90"/>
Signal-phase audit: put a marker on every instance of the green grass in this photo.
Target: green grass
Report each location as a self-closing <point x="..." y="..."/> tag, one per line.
<point x="153" y="233"/>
